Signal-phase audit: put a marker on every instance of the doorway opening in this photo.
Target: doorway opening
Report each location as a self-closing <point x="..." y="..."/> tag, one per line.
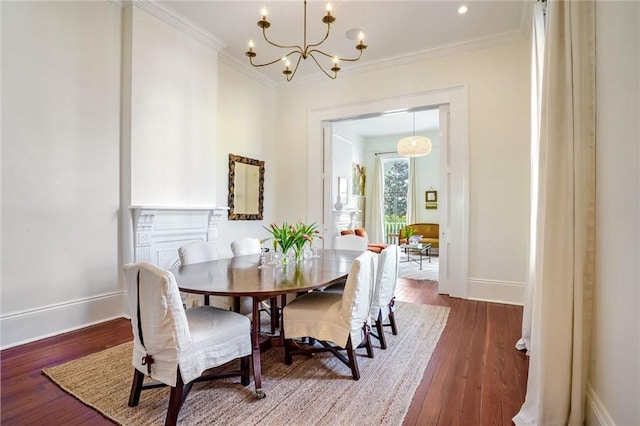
<point x="453" y="196"/>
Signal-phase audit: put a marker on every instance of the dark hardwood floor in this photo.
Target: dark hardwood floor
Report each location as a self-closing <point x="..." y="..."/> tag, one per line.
<point x="475" y="376"/>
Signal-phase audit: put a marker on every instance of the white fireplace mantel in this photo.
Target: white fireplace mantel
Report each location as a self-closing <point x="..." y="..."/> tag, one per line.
<point x="160" y="230"/>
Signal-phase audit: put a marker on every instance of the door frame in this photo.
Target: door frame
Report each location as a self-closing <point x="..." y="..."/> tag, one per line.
<point x="456" y="97"/>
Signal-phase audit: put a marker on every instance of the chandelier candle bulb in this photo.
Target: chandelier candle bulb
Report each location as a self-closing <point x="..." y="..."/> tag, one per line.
<point x="263" y="12"/>
<point x="287" y="67"/>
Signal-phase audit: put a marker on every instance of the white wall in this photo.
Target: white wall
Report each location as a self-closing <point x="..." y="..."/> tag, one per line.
<point x="614" y="377"/>
<point x="60" y="166"/>
<point x="246" y="113"/>
<point x="173" y="115"/>
<point x="497" y="79"/>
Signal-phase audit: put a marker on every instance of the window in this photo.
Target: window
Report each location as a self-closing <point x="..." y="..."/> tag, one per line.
<point x="396" y="187"/>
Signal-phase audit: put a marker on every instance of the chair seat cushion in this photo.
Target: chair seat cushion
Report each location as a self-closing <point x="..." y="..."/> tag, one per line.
<point x="317" y="315"/>
<point x="218" y="336"/>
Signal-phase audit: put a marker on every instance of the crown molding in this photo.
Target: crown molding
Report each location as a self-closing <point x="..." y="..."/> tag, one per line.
<point x="243" y="68"/>
<point x="178" y="21"/>
<point x="526" y="18"/>
<point x="427" y="54"/>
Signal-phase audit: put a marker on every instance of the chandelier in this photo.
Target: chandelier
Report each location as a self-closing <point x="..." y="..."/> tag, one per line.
<point x="414" y="146"/>
<point x="306" y="50"/>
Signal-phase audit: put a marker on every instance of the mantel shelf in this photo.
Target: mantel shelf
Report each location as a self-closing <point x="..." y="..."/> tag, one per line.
<point x="178" y="208"/>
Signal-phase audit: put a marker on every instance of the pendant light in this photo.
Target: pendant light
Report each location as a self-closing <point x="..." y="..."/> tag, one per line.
<point x="414" y="146"/>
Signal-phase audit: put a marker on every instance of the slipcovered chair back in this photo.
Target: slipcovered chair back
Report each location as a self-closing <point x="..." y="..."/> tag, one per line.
<point x="357" y="294"/>
<point x="158" y="320"/>
<point x="245" y="246"/>
<point x="386" y="280"/>
<point x="198" y="252"/>
<point x="350" y="242"/>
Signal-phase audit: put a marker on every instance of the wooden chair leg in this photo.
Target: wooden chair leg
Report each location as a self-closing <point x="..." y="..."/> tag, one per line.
<point x="245" y="368"/>
<point x="136" y="388"/>
<point x="275" y="318"/>
<point x="392" y="318"/>
<point x="380" y="331"/>
<point x="353" y="363"/>
<point x="367" y="341"/>
<point x="178" y="395"/>
<point x="288" y="358"/>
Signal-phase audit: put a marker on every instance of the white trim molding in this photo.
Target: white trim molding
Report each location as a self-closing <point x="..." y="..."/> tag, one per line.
<point x="507" y="292"/>
<point x="457" y="98"/>
<point x="179" y="22"/>
<point x="595" y="412"/>
<point x="412" y="57"/>
<point x="18" y="328"/>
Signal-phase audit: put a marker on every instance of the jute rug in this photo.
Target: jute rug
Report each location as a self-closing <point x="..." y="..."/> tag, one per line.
<point x="430" y="270"/>
<point x="315" y="390"/>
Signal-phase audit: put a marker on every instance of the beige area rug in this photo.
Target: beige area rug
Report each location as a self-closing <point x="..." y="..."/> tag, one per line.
<point x="412" y="270"/>
<point x="314" y="390"/>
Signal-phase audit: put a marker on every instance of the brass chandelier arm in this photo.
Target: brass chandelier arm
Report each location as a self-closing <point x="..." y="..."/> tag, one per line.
<point x="335" y="57"/>
<point x="335" y="73"/>
<point x="269" y="63"/>
<point x="290" y="76"/>
<point x="295" y="46"/>
<point x="326" y="36"/>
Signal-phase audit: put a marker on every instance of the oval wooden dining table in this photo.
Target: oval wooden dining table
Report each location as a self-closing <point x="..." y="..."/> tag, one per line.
<point x="243" y="276"/>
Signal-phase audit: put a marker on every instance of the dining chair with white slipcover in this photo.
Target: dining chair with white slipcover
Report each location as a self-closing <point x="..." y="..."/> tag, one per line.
<point x="175" y="346"/>
<point x="245" y="246"/>
<point x="336" y="321"/>
<point x="383" y="300"/>
<point x="350" y="242"/>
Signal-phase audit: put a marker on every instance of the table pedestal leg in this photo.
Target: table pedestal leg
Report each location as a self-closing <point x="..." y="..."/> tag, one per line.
<point x="255" y="342"/>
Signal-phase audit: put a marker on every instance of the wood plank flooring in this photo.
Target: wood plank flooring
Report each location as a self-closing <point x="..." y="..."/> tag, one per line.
<point x="475" y="376"/>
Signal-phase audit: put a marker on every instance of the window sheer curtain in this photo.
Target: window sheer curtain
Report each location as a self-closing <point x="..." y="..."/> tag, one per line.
<point x="561" y="306"/>
<point x="412" y="193"/>
<point x="537" y="61"/>
<point x="376" y="228"/>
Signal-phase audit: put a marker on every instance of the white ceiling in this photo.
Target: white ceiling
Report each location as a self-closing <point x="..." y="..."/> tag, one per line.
<point x="389" y="124"/>
<point x="396" y="31"/>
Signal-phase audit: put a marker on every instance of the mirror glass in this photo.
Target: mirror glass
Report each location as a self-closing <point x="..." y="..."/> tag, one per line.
<point x="246" y="187"/>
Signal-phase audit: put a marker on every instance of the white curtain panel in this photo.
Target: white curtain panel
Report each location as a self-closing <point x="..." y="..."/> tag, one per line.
<point x="412" y="196"/>
<point x="537" y="62"/>
<point x="562" y="297"/>
<point x="376" y="227"/>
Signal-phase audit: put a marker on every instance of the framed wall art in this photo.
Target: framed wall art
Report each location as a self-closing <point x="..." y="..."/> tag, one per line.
<point x="431" y="199"/>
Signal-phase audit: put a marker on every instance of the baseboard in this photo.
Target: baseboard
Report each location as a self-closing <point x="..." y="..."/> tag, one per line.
<point x="34" y="324"/>
<point x="508" y="292"/>
<point x="595" y="412"/>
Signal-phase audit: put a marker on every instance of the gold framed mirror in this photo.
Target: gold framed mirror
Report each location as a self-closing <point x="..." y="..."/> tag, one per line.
<point x="246" y="188"/>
